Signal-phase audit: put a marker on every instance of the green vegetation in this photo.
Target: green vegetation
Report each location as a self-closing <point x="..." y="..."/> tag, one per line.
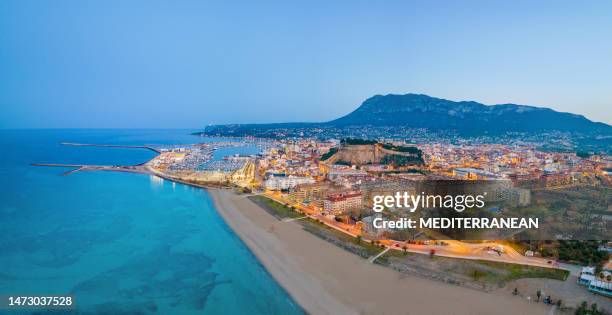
<point x="355" y="245"/>
<point x="584" y="309"/>
<point x="413" y="150"/>
<point x="480" y="271"/>
<point x="400" y="160"/>
<point x="352" y="141"/>
<point x="514" y="271"/>
<point x="352" y="244"/>
<point x="477" y="274"/>
<point x="329" y="154"/>
<point x="583" y="252"/>
<point x="341" y="162"/>
<point x="274" y="208"/>
<point x="577" y="212"/>
<point x="582" y="154"/>
<point x="410" y="171"/>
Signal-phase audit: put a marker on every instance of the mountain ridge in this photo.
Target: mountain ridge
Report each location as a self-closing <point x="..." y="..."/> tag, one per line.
<point x="423" y="111"/>
<point x="394" y="115"/>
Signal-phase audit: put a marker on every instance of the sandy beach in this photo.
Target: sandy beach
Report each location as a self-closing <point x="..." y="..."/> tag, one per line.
<point x="325" y="279"/>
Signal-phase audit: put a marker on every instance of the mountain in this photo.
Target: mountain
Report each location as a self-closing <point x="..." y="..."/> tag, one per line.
<point x="422" y="111"/>
<point x="383" y="116"/>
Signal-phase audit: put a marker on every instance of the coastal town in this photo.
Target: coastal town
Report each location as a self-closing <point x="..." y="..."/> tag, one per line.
<point x="328" y="187"/>
<point x="332" y="183"/>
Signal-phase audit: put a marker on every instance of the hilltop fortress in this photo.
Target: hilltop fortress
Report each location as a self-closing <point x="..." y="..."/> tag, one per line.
<point x="362" y="152"/>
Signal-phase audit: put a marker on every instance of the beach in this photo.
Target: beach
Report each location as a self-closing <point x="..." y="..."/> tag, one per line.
<point x="325" y="279"/>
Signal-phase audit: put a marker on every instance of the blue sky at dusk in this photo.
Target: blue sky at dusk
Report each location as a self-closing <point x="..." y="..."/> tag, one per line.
<point x="173" y="64"/>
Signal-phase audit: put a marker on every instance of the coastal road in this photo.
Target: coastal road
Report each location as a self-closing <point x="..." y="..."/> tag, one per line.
<point x="454" y="249"/>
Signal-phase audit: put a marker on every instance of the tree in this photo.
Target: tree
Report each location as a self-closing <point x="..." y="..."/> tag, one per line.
<point x="595" y="310"/>
<point x="582" y="309"/>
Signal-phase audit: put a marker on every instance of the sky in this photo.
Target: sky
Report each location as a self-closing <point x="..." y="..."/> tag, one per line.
<point x="188" y="64"/>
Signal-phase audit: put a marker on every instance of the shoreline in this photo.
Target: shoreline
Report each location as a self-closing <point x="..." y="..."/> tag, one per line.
<point x="318" y="292"/>
<point x="325" y="279"/>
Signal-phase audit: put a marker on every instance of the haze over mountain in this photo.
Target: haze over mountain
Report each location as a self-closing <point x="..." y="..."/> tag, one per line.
<point x="422" y="111"/>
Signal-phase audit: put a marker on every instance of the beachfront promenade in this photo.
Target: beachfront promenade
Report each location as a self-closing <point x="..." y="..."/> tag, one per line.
<point x="325" y="279"/>
<point x="453" y="249"/>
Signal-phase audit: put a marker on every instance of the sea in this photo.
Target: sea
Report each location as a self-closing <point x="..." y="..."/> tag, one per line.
<point x="120" y="243"/>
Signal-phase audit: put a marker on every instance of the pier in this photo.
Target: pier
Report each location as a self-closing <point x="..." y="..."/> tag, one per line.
<point x="141" y="169"/>
<point x="113" y="146"/>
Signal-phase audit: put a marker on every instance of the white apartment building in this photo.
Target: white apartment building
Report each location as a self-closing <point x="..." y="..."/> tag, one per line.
<point x="286" y="182"/>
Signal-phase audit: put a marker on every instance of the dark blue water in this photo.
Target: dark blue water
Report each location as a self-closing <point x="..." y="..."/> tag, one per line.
<point x="119" y="242"/>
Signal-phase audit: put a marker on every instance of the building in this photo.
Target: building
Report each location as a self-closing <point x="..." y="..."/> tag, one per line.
<point x="519" y="197"/>
<point x="310" y="192"/>
<point x="600" y="284"/>
<point x="550" y="180"/>
<point x="286" y="182"/>
<point x="385" y="187"/>
<point x="342" y="202"/>
<point x="368" y="225"/>
<point x="587" y="274"/>
<point x="473" y="173"/>
<point x="337" y="172"/>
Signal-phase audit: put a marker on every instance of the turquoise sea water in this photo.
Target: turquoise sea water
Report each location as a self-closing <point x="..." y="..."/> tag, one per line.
<point x="120" y="243"/>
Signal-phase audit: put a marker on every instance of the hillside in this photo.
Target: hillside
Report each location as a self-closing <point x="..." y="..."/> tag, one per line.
<point x="422" y="111"/>
<point x="421" y="117"/>
<point x="373" y="153"/>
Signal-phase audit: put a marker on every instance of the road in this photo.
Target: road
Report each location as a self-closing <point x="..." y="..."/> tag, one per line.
<point x="453" y="249"/>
